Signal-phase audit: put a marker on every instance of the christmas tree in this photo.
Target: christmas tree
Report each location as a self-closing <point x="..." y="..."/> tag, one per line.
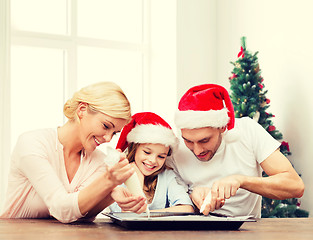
<point x="248" y="95"/>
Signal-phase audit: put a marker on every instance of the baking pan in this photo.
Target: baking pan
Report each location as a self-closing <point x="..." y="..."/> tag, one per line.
<point x="176" y="221"/>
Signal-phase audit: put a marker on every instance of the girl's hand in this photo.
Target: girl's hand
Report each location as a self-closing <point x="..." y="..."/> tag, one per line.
<point x="127" y="202"/>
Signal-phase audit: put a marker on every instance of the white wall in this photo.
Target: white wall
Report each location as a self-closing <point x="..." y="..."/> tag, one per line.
<point x="196" y="43"/>
<point x="162" y="38"/>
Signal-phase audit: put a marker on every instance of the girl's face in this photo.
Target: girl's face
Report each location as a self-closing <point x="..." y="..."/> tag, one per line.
<point x="150" y="157"/>
<point x="96" y="128"/>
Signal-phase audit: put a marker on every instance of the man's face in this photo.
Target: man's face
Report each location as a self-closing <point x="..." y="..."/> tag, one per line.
<point x="203" y="142"/>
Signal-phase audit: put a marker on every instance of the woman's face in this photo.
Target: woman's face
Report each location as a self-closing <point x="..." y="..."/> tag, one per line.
<point x="149" y="157"/>
<point x="96" y="128"/>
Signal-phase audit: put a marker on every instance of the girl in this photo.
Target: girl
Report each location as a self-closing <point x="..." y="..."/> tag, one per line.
<point x="150" y="140"/>
<point x="58" y="172"/>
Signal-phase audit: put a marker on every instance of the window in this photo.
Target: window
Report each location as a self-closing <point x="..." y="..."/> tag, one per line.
<point x="51" y="48"/>
<point x="59" y="46"/>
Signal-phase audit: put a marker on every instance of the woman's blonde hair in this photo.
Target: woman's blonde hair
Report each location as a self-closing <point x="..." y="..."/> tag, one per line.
<point x="104" y="97"/>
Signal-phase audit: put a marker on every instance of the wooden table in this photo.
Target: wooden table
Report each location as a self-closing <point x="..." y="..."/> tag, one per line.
<point x="28" y="229"/>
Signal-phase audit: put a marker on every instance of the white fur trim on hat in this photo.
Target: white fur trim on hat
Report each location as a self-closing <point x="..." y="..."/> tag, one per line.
<point x="150" y="133"/>
<point x="198" y="119"/>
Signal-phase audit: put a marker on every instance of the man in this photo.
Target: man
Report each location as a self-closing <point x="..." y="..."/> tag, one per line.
<point x="225" y="156"/>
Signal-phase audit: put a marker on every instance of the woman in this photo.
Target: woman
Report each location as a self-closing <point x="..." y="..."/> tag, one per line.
<point x="58" y="172"/>
<point x="150" y="140"/>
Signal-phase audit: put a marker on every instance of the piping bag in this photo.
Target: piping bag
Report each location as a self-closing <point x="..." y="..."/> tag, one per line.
<point x="132" y="183"/>
<point x="206" y="201"/>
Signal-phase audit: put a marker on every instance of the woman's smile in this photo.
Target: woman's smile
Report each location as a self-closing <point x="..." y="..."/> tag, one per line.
<point x="97" y="141"/>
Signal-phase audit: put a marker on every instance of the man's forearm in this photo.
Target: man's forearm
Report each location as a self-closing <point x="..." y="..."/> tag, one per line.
<point x="280" y="186"/>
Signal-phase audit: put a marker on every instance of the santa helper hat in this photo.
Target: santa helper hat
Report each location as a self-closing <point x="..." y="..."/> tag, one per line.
<point x="207" y="105"/>
<point x="147" y="127"/>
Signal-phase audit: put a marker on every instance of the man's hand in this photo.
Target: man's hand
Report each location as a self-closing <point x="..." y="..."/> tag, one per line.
<point x="221" y="190"/>
<point x="127" y="202"/>
<point x="226" y="187"/>
<point x="198" y="196"/>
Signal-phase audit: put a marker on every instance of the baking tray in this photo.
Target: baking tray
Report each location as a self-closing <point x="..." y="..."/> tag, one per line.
<point x="176" y="221"/>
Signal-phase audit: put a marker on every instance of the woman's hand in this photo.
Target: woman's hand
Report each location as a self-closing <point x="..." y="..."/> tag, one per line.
<point x="120" y="172"/>
<point x="96" y="196"/>
<point x="127" y="202"/>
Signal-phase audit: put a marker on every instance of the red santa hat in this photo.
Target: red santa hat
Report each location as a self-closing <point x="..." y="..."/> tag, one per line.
<point x="206" y="105"/>
<point x="147" y="127"/>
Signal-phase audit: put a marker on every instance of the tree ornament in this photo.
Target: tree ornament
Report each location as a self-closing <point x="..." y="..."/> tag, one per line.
<point x="271" y="128"/>
<point x="256" y="116"/>
<point x="232" y="76"/>
<point x="237" y="65"/>
<point x="242" y="52"/>
<point x="257" y="69"/>
<point x="285" y="144"/>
